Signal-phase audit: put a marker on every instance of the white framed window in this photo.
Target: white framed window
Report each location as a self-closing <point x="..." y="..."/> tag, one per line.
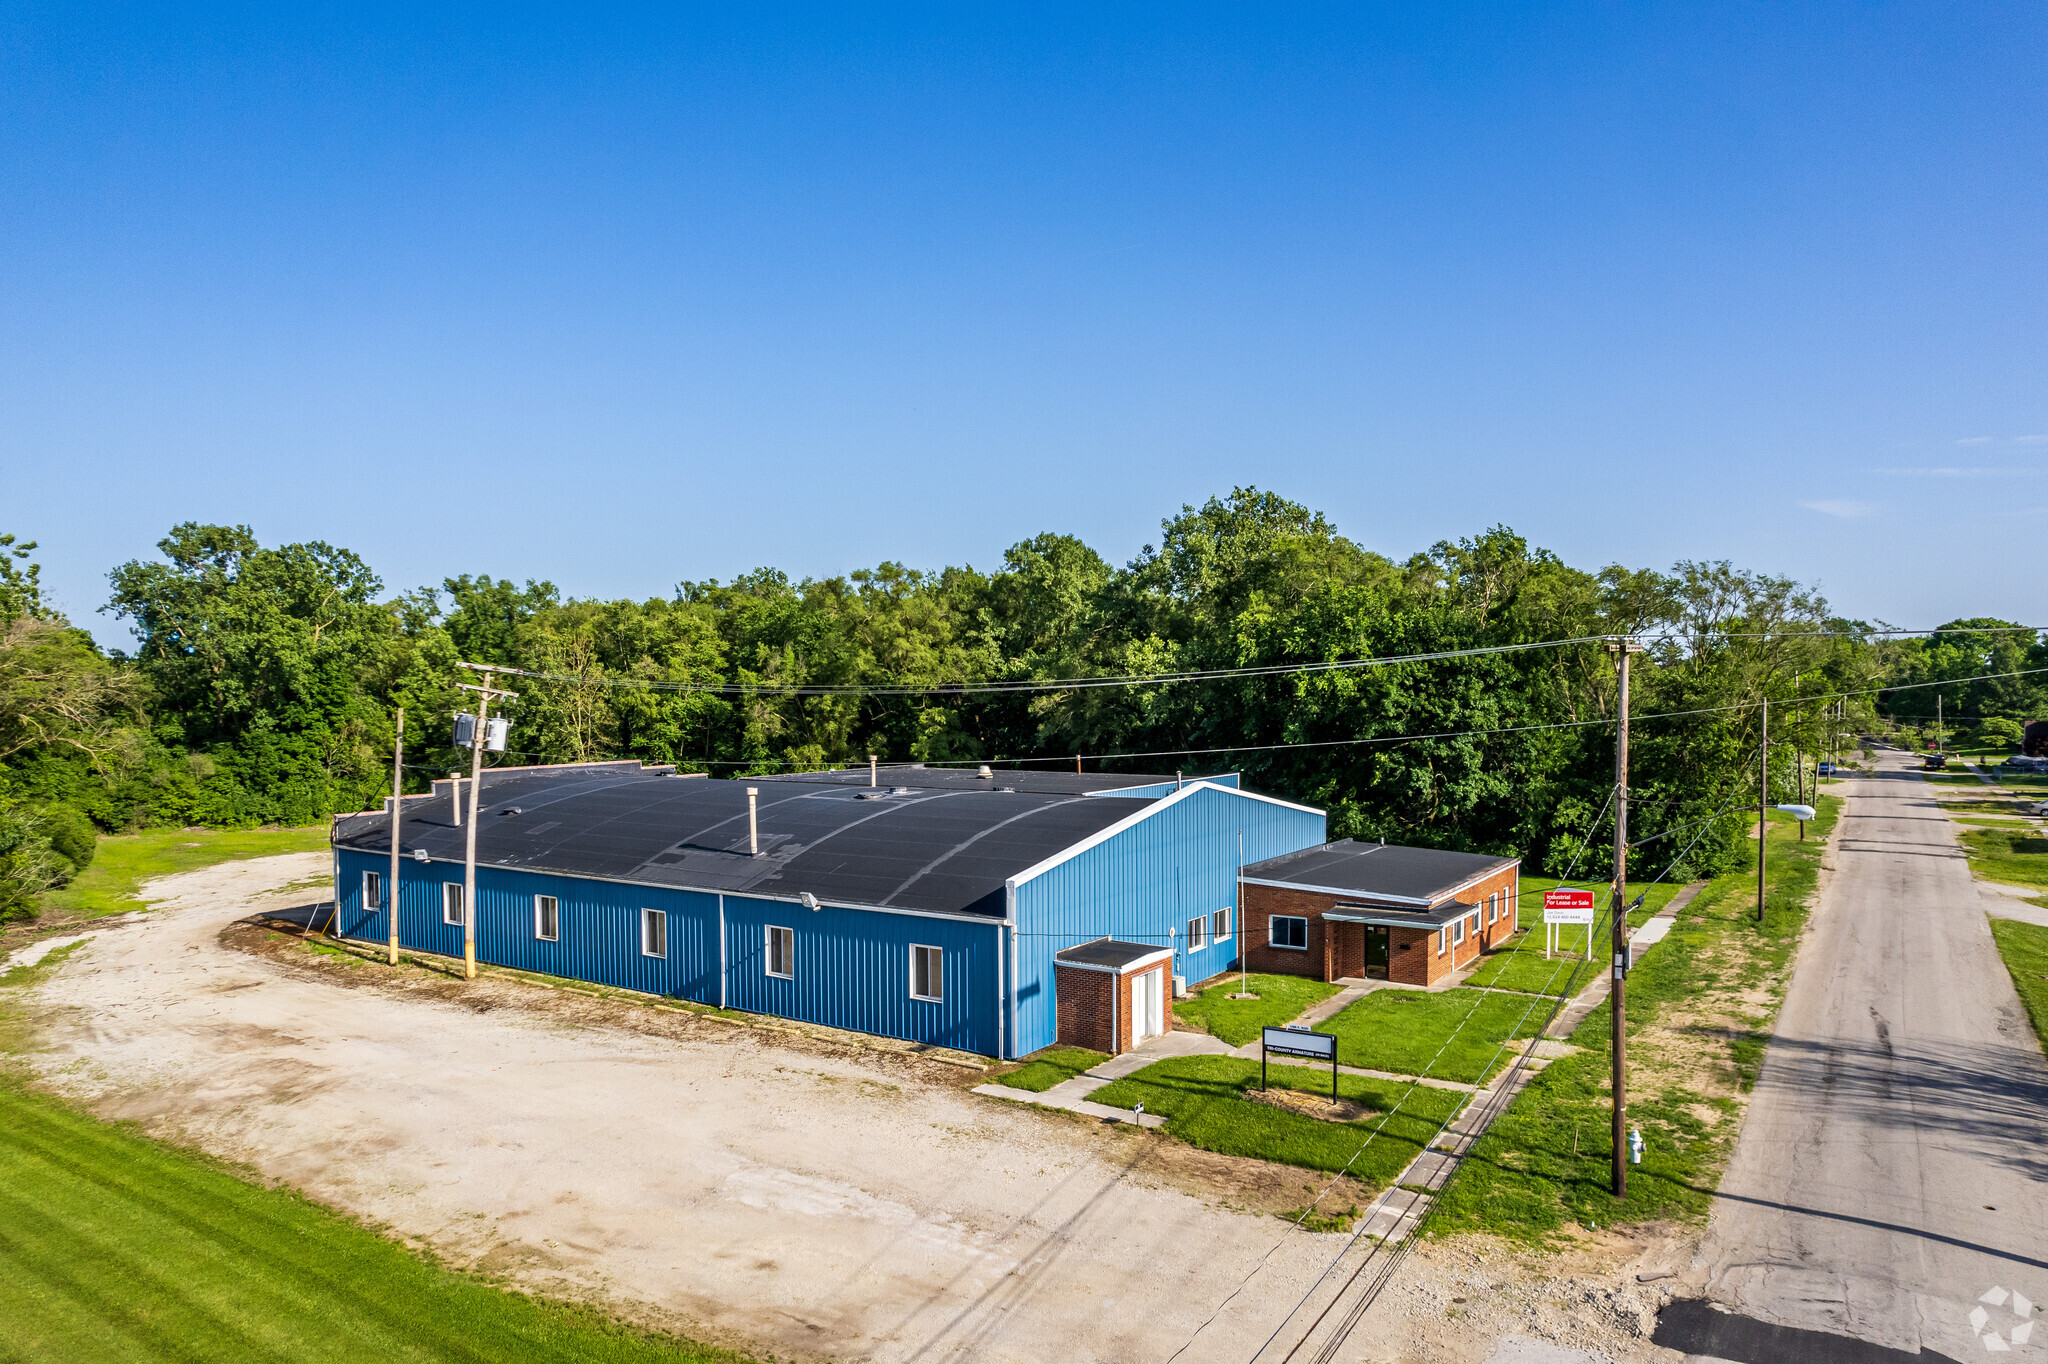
<point x="1198" y="933"/>
<point x="373" y="891"/>
<point x="781" y="944"/>
<point x="1222" y="924"/>
<point x="1443" y="940"/>
<point x="547" y="918"/>
<point x="1474" y="920"/>
<point x="451" y="903"/>
<point x="1457" y="931"/>
<point x="927" y="972"/>
<point x="653" y="933"/>
<point x="1289" y="931"/>
<point x="1492" y="908"/>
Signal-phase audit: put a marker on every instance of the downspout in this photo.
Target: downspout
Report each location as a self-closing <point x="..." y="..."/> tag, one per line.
<point x="1009" y="1002"/>
<point x="721" y="952"/>
<point x="1002" y="1036"/>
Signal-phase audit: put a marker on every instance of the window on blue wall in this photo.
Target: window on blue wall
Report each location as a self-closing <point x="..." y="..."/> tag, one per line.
<point x="373" y="891"/>
<point x="547" y="918"/>
<point x="781" y="952"/>
<point x="451" y="903"/>
<point x="1288" y="930"/>
<point x="1222" y="924"/>
<point x="653" y="933"/>
<point x="1198" y="933"/>
<point x="927" y="972"/>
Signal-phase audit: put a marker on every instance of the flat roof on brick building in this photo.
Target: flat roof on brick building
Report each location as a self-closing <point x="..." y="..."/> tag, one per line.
<point x="1378" y="871"/>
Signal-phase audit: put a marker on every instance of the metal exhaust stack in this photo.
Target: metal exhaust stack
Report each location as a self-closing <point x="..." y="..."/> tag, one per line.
<point x="753" y="822"/>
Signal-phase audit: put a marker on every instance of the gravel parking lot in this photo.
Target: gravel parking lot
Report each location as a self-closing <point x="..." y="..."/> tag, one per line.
<point x="740" y="1185"/>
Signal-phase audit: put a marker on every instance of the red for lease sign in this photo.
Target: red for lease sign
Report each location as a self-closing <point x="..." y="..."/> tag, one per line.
<point x="1567" y="906"/>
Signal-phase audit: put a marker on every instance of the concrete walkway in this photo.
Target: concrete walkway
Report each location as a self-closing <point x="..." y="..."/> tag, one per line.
<point x="1596" y="991"/>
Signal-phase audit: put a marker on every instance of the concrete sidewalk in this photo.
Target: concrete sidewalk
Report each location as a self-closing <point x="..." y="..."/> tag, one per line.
<point x="1596" y="991"/>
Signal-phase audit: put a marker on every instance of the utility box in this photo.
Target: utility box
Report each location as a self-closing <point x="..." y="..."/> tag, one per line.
<point x="494" y="735"/>
<point x="465" y="730"/>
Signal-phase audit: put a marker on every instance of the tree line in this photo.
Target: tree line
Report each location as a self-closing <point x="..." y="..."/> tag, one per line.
<point x="264" y="681"/>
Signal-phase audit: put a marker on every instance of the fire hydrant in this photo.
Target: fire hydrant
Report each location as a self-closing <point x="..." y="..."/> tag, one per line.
<point x="1635" y="1146"/>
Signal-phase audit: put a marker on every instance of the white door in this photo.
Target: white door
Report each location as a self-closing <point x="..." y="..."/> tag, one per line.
<point x="1146" y="1006"/>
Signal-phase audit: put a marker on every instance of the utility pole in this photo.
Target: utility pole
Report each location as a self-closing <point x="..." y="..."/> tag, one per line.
<point x="1763" y="805"/>
<point x="397" y="789"/>
<point x="1622" y="646"/>
<point x="477" y="739"/>
<point x="1938" y="747"/>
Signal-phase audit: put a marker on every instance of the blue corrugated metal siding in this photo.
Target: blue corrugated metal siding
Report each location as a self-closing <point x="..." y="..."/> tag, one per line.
<point x="599" y="921"/>
<point x="1162" y="789"/>
<point x="853" y="971"/>
<point x="1142" y="885"/>
<point x="852" y="966"/>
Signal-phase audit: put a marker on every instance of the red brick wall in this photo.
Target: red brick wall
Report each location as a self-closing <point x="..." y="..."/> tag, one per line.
<point x="1411" y="956"/>
<point x="1090" y="1001"/>
<point x="1261" y="903"/>
<point x="1084" y="1007"/>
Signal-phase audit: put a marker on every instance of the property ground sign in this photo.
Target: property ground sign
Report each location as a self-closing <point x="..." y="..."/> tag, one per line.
<point x="1316" y="1046"/>
<point x="1567" y="906"/>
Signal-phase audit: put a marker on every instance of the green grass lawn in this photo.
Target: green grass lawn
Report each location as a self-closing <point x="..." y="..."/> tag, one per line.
<point x="1545" y="1162"/>
<point x="117" y="1247"/>
<point x="2016" y="855"/>
<point x="1050" y="1067"/>
<point x="123" y="862"/>
<point x="1518" y="964"/>
<point x="1450" y="1034"/>
<point x="1203" y="1101"/>
<point x="1281" y="999"/>
<point x="2025" y="949"/>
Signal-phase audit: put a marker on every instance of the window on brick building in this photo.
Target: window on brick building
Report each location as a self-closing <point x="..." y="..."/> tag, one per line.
<point x="1457" y="931"/>
<point x="1288" y="930"/>
<point x="1443" y="940"/>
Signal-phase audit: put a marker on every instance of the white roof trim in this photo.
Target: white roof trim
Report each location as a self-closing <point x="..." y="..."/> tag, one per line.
<point x="1129" y="821"/>
<point x="1129" y="968"/>
<point x="1351" y="891"/>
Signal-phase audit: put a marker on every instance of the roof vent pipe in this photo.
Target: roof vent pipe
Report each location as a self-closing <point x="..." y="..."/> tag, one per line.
<point x="986" y="773"/>
<point x="455" y="792"/>
<point x="753" y="822"/>
<point x="1176" y="779"/>
<point x="871" y="769"/>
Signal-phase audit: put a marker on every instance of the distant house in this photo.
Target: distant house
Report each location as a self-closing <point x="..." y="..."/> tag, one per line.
<point x="935" y="905"/>
<point x="1376" y="911"/>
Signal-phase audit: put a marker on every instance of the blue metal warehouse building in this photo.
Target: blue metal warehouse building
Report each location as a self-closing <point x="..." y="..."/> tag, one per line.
<point x="928" y="908"/>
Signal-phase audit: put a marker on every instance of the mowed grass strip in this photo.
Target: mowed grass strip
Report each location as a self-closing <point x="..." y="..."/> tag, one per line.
<point x="1545" y="1162"/>
<point x="2013" y="856"/>
<point x="116" y="1247"/>
<point x="1453" y="1034"/>
<point x="1281" y="999"/>
<point x="122" y="862"/>
<point x="1050" y="1067"/>
<point x="1518" y="964"/>
<point x="1204" y="1102"/>
<point x="2024" y="947"/>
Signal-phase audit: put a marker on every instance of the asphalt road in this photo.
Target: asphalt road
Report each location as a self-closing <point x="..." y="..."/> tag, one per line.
<point x="1894" y="1164"/>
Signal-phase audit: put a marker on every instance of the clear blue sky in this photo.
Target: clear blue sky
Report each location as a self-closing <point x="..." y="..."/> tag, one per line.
<point x="624" y="300"/>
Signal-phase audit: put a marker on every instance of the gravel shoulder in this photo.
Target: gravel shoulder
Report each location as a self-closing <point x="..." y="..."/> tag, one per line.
<point x="756" y="1187"/>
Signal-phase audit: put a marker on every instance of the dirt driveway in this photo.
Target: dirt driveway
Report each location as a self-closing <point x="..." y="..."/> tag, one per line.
<point x="811" y="1204"/>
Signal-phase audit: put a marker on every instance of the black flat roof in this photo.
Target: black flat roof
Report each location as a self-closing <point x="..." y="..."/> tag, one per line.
<point x="940" y="850"/>
<point x="1109" y="954"/>
<point x="1382" y="870"/>
<point x="966" y="779"/>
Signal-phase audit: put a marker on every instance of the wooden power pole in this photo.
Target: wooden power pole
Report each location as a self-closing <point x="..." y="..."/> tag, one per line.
<point x="397" y="793"/>
<point x="477" y="738"/>
<point x="1622" y="647"/>
<point x="1763" y="805"/>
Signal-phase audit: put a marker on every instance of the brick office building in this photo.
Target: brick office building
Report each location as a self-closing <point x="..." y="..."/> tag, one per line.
<point x="1376" y="911"/>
